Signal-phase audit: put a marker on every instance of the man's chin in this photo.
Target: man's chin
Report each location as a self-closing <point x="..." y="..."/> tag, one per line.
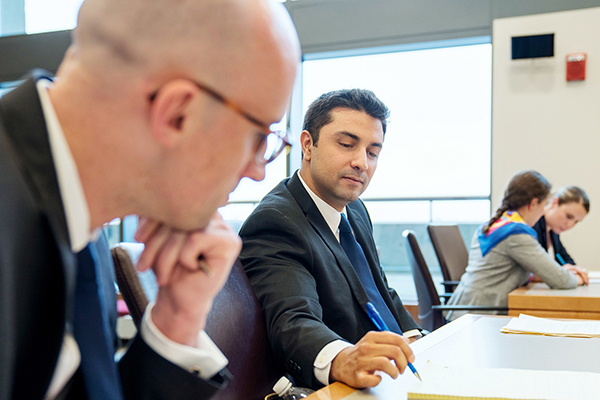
<point x="192" y="223"/>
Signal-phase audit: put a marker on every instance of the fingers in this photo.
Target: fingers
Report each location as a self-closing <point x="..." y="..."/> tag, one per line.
<point x="390" y="338"/>
<point x="218" y="244"/>
<point x="376" y="351"/>
<point x="580" y="272"/>
<point x="584" y="276"/>
<point x="167" y="258"/>
<point x="166" y="249"/>
<point x="155" y="239"/>
<point x="145" y="229"/>
<point x="367" y="379"/>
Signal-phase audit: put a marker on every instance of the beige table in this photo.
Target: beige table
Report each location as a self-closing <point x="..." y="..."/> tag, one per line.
<point x="539" y="300"/>
<point x="476" y="341"/>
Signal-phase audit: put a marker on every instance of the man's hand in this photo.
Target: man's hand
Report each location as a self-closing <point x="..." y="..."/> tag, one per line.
<point x="356" y="365"/>
<point x="185" y="291"/>
<point x="581" y="273"/>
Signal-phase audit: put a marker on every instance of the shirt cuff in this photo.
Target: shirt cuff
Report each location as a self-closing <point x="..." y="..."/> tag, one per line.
<point x="412" y="333"/>
<point x="323" y="361"/>
<point x="205" y="359"/>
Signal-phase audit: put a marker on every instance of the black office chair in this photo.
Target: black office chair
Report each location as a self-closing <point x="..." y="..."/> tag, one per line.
<point x="235" y="323"/>
<point x="451" y="253"/>
<point x="430" y="307"/>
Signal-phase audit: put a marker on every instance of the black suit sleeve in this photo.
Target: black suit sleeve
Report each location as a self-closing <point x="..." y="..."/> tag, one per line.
<point x="278" y="258"/>
<point x="146" y="375"/>
<point x="560" y="249"/>
<point x="540" y="228"/>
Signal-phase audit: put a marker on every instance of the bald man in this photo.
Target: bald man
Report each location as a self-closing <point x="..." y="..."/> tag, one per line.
<point x="158" y="109"/>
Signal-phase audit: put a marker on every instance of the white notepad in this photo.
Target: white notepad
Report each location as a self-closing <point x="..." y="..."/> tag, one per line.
<point x="440" y="382"/>
<point x="594" y="277"/>
<point x="526" y="324"/>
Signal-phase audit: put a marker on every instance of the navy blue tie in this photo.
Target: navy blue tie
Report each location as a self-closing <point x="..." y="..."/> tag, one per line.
<point x="91" y="331"/>
<point x="361" y="266"/>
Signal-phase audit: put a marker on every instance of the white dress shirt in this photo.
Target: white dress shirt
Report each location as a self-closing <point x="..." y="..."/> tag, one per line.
<point x="322" y="364"/>
<point x="205" y="359"/>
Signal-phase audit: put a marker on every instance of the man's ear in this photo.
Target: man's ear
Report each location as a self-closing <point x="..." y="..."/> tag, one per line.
<point x="307" y="143"/>
<point x="170" y="110"/>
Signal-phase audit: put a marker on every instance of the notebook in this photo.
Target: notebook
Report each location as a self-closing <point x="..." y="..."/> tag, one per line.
<point x="442" y="382"/>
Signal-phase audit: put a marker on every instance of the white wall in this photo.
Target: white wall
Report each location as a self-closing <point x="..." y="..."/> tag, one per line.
<point x="543" y="122"/>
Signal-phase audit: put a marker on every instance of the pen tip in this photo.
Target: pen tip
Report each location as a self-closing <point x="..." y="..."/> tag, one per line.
<point x="418" y="376"/>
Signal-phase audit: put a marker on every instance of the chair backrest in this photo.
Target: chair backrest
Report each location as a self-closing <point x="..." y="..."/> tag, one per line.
<point x="236" y="325"/>
<point x="124" y="257"/>
<point x="450" y="249"/>
<point x="427" y="294"/>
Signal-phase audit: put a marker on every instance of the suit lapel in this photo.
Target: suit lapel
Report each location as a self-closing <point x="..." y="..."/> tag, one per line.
<point x="317" y="221"/>
<point x="26" y="127"/>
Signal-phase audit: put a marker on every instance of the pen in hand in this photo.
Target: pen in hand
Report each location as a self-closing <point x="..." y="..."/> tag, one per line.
<point x="380" y="324"/>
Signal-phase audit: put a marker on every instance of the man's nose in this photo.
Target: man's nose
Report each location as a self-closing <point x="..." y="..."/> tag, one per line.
<point x="255" y="171"/>
<point x="360" y="160"/>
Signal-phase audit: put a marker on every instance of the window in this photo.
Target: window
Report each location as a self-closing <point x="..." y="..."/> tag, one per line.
<point x="435" y="166"/>
<point x="47" y="16"/>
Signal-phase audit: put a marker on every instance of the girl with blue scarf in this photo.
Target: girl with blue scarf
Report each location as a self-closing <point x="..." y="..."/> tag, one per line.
<point x="505" y="251"/>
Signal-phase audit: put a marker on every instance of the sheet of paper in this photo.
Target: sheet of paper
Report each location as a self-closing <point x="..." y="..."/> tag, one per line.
<point x="594" y="274"/>
<point x="541" y="326"/>
<point x="594" y="277"/>
<point x="441" y="382"/>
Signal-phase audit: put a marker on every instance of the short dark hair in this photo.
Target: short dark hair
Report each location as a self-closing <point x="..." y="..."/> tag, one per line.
<point x="319" y="112"/>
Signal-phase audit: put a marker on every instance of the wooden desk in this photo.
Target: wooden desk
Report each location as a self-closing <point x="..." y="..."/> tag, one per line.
<point x="476" y="341"/>
<point x="539" y="300"/>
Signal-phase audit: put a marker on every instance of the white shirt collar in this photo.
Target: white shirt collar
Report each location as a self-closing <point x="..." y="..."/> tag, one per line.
<point x="69" y="183"/>
<point x="330" y="214"/>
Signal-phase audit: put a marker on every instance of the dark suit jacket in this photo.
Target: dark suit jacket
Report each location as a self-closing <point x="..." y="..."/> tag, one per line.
<point x="540" y="228"/>
<point x="303" y="279"/>
<point x="37" y="272"/>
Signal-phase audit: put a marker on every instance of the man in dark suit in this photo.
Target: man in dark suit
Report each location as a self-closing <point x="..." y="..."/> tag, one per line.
<point x="312" y="272"/>
<point x="158" y="109"/>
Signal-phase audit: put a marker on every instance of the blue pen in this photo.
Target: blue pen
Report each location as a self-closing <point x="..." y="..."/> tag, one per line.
<point x="560" y="259"/>
<point x="381" y="326"/>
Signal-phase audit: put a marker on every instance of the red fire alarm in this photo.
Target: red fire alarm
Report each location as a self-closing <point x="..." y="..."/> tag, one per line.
<point x="576" y="66"/>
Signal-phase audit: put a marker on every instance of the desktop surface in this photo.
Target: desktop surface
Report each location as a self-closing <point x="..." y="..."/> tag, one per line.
<point x="476" y="341"/>
<point x="539" y="300"/>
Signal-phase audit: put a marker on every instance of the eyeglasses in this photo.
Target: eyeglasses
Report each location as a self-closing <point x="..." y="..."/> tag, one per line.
<point x="269" y="143"/>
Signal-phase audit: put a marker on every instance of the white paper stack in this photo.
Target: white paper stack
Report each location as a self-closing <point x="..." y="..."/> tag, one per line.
<point x="529" y="325"/>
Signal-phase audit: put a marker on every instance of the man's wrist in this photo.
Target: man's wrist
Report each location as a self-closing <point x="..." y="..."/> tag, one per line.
<point x="322" y="364"/>
<point x="203" y="359"/>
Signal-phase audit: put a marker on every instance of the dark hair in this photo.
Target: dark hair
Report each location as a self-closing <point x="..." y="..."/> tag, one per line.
<point x="573" y="194"/>
<point x="522" y="188"/>
<point x="319" y="112"/>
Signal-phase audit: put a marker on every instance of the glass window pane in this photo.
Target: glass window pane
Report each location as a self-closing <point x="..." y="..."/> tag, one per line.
<point x="395" y="212"/>
<point x="438" y="138"/>
<point x="47" y="16"/>
<point x="249" y="190"/>
<point x="235" y="214"/>
<point x="460" y="211"/>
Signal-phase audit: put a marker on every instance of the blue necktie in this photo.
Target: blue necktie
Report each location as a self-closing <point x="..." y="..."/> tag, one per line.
<point x="91" y="331"/>
<point x="361" y="266"/>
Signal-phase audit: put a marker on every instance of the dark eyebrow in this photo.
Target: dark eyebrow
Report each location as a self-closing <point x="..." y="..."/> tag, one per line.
<point x="356" y="138"/>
